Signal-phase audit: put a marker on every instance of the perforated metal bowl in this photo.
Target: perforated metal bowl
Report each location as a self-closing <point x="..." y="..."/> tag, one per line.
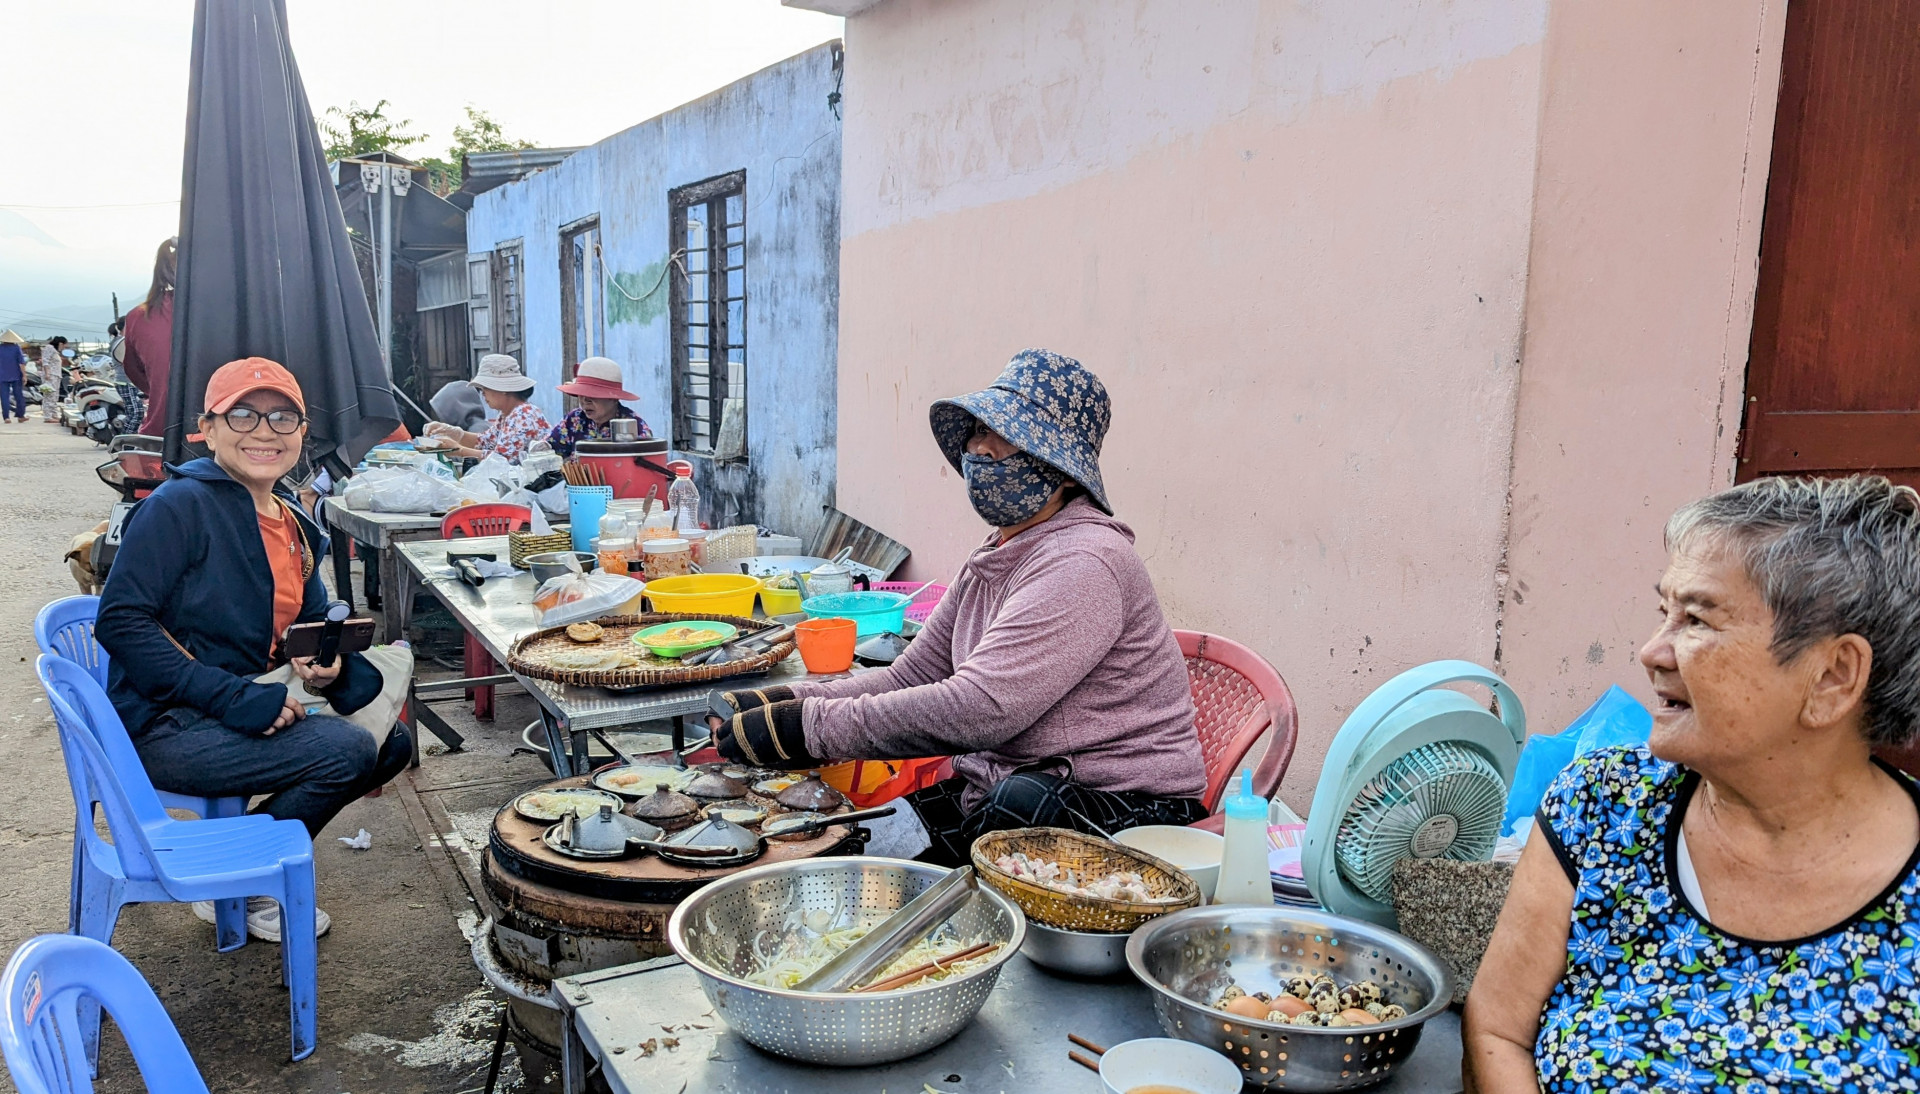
<point x="713" y="931"/>
<point x="1187" y="959"/>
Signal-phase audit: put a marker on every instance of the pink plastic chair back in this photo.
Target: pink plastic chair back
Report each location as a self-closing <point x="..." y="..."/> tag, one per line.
<point x="1237" y="697"/>
<point x="491" y="519"/>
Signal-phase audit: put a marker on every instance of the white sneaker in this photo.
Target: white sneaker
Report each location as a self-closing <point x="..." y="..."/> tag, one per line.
<point x="263" y="917"/>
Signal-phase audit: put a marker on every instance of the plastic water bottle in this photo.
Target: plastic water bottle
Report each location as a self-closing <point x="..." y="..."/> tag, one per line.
<point x="1244" y="877"/>
<point x="684" y="498"/>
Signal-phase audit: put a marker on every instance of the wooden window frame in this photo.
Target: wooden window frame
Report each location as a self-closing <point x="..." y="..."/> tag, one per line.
<point x="711" y="196"/>
<point x="571" y="352"/>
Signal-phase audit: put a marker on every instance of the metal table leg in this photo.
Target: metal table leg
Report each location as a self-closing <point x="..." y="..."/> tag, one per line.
<point x="558" y="757"/>
<point x="341" y="547"/>
<point x="582" y="759"/>
<point x="396" y="593"/>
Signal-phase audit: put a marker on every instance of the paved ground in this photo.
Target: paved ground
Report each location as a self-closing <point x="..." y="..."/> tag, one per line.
<point x="401" y="1008"/>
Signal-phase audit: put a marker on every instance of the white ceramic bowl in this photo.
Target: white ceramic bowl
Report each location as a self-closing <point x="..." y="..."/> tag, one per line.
<point x="1193" y="850"/>
<point x="1163" y="1061"/>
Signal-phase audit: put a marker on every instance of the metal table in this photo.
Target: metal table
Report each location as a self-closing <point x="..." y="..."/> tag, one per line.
<point x="1017" y="1043"/>
<point x="500" y="611"/>
<point x="382" y="532"/>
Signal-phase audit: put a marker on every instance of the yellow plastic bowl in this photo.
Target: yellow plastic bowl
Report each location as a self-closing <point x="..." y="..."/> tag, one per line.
<point x="704" y="594"/>
<point x="779" y="601"/>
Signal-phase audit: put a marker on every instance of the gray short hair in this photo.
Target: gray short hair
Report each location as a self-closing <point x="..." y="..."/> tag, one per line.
<point x="1830" y="557"/>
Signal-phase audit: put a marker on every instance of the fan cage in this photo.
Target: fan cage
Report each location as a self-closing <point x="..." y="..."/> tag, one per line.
<point x="1394" y="815"/>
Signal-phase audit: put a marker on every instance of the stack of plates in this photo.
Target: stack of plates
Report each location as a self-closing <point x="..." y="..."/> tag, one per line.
<point x="1283" y="863"/>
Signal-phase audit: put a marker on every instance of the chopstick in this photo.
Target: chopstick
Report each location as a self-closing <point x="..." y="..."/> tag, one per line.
<point x="1090" y="1047"/>
<point x="921" y="971"/>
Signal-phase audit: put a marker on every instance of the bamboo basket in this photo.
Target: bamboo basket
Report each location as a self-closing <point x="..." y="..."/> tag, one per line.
<point x="1173" y="889"/>
<point x="528" y="655"/>
<point x="522" y="544"/>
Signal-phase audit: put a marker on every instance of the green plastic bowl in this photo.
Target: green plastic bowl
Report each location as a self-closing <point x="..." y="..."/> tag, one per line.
<point x="723" y="632"/>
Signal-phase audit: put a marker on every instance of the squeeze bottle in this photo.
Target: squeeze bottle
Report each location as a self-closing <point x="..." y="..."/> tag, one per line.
<point x="1244" y="878"/>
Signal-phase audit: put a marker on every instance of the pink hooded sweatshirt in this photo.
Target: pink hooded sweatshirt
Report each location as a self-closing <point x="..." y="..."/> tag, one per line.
<point x="1052" y="645"/>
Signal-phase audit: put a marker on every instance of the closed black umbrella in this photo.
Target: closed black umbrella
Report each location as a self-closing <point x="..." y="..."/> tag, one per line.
<point x="265" y="268"/>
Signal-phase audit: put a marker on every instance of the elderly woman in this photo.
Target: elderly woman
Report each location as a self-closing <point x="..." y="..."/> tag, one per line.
<point x="1048" y="671"/>
<point x="1737" y="905"/>
<point x="213" y="568"/>
<point x="598" y="385"/>
<point x="519" y="423"/>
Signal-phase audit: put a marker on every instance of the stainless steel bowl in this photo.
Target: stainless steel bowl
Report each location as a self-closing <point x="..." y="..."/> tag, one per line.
<point x="548" y="565"/>
<point x="713" y="931"/>
<point x="1076" y="953"/>
<point x="1188" y="958"/>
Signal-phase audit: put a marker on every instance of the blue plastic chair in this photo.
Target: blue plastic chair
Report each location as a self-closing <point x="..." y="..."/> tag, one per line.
<point x="50" y="984"/>
<point x="155" y="858"/>
<point x="64" y="628"/>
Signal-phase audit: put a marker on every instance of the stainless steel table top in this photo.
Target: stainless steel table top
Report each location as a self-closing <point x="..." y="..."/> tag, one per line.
<point x="500" y="611"/>
<point x="1018" y="1043"/>
<point x="377" y="529"/>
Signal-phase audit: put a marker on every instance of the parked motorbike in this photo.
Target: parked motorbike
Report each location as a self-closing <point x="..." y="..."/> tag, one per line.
<point x="133" y="469"/>
<point x="102" y="412"/>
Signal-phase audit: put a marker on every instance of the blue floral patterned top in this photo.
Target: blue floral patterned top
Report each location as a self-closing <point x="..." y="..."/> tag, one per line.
<point x="1656" y="998"/>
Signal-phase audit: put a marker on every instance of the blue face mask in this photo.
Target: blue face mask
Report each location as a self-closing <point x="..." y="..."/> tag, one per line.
<point x="1010" y="491"/>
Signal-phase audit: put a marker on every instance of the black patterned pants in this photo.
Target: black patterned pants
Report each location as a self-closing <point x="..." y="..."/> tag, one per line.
<point x="1036" y="799"/>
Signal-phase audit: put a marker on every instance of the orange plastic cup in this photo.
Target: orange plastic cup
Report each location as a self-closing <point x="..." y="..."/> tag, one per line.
<point x="826" y="645"/>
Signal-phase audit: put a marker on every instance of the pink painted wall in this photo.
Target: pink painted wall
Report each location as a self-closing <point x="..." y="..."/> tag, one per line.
<point x="1655" y="139"/>
<point x="1292" y="239"/>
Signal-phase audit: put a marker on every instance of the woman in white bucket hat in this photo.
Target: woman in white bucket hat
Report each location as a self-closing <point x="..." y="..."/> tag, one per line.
<point x="598" y="385"/>
<point x="518" y="423"/>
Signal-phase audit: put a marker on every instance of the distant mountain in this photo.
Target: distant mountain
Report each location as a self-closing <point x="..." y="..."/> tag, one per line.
<point x="42" y="281"/>
<point x="15" y="226"/>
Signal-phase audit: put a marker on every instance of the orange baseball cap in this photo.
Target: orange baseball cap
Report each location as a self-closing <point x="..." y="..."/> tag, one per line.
<point x="236" y="379"/>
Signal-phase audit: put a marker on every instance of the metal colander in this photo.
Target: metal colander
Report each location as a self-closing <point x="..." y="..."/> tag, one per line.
<point x="1187" y="960"/>
<point x="714" y="929"/>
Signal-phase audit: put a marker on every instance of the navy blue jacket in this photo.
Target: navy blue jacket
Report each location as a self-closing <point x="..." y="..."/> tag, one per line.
<point x="191" y="561"/>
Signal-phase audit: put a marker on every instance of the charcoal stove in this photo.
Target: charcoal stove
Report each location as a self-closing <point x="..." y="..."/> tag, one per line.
<point x="557" y="916"/>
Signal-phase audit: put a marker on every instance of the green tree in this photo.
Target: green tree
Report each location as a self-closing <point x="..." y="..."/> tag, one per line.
<point x="480" y="133"/>
<point x="358" y="130"/>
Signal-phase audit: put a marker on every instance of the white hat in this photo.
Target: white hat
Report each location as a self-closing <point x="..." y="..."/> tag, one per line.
<point x="500" y="372"/>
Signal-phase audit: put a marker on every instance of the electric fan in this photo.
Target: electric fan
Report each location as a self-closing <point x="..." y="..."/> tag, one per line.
<point x="1417" y="771"/>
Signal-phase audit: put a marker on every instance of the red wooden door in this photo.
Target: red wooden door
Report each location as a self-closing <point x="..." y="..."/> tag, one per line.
<point x="1833" y="383"/>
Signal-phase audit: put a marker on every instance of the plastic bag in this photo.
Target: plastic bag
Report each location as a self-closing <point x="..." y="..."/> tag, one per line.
<point x="489" y="477"/>
<point x="573" y="597"/>
<point x="1615" y="718"/>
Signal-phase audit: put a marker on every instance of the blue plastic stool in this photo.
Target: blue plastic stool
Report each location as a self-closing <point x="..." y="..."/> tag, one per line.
<point x="155" y="858"/>
<point x="51" y="982"/>
<point x="64" y="628"/>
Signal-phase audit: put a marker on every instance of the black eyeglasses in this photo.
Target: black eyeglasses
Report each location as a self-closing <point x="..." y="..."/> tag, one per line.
<point x="243" y="419"/>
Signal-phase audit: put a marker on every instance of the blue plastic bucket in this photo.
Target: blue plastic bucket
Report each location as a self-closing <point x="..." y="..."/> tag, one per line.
<point x="585" y="506"/>
<point x="871" y="612"/>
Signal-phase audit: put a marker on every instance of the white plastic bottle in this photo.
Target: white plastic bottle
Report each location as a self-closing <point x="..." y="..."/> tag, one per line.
<point x="683" y="497"/>
<point x="1243" y="866"/>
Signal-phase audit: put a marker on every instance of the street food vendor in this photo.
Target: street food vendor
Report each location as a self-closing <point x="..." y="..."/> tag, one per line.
<point x="598" y="385"/>
<point x="1048" y="671"/>
<point x="518" y="423"/>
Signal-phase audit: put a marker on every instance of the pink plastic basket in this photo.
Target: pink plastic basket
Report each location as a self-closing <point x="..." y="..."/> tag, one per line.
<point x="922" y="605"/>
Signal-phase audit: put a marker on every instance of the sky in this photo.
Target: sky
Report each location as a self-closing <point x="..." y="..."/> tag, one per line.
<point x="94" y="109"/>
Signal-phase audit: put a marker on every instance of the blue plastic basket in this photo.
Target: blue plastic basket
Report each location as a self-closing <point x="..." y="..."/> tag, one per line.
<point x="871" y="612"/>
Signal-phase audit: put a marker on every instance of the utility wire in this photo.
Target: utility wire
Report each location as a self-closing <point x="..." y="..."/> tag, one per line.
<point x="121" y="205"/>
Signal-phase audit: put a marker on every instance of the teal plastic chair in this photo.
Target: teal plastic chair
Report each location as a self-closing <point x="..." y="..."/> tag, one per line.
<point x="50" y="984"/>
<point x="64" y="628"/>
<point x="155" y="858"/>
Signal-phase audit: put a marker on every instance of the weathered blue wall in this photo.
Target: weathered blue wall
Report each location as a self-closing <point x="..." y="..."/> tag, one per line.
<point x="778" y="126"/>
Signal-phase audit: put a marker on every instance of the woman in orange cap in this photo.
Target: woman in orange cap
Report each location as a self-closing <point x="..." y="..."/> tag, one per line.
<point x="213" y="568"/>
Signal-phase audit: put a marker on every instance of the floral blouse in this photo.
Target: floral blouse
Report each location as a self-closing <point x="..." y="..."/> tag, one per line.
<point x="577" y="427"/>
<point x="509" y="434"/>
<point x="1656" y="998"/>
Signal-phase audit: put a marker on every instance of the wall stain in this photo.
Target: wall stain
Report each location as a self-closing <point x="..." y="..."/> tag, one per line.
<point x="638" y="297"/>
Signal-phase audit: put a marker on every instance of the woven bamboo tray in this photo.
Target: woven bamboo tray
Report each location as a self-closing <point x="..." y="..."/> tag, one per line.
<point x="528" y="657"/>
<point x="1087" y="856"/>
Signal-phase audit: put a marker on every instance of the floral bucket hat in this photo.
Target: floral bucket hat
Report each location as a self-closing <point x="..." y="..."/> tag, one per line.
<point x="1046" y="405"/>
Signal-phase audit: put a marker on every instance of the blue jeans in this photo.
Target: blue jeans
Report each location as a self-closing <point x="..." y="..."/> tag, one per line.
<point x="13" y="400"/>
<point x="312" y="769"/>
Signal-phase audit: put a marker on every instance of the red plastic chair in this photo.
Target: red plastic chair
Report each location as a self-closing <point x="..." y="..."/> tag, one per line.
<point x="492" y="519"/>
<point x="1237" y="697"/>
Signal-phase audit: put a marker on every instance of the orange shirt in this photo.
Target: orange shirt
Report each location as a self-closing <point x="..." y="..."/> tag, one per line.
<point x="283" y="543"/>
